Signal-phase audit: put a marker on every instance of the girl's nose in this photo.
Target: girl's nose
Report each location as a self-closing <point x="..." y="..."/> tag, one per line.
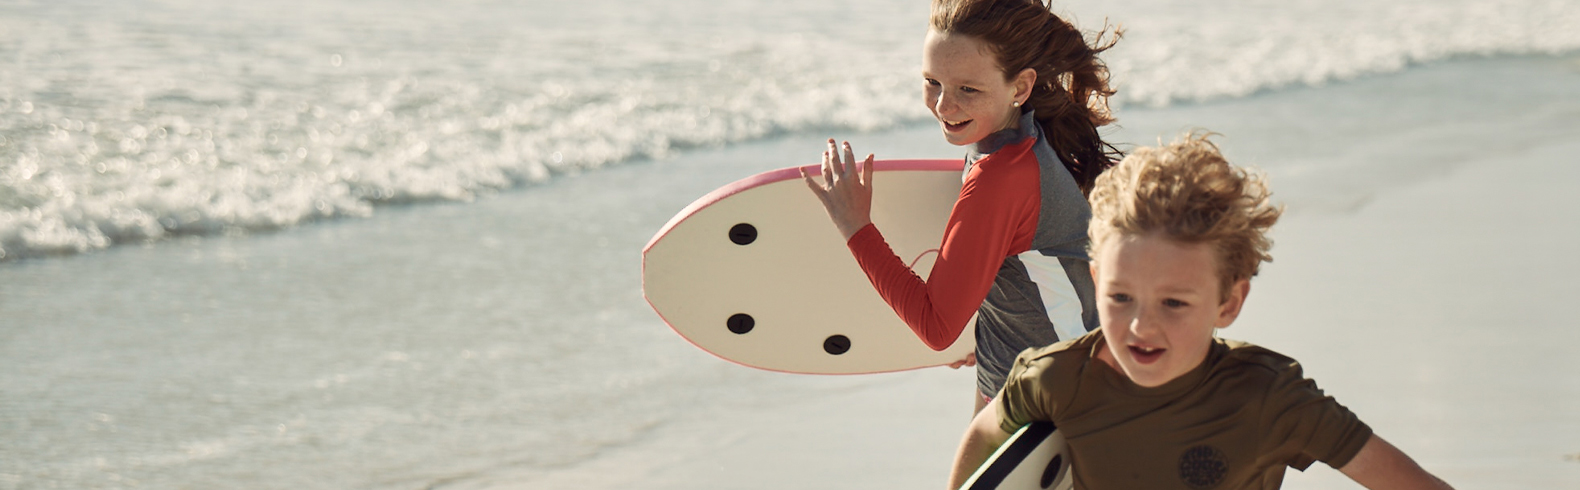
<point x="943" y="104"/>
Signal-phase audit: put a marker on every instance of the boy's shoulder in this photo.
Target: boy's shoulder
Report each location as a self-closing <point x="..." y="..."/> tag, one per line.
<point x="1239" y="354"/>
<point x="1258" y="368"/>
<point x="1044" y="379"/>
<point x="1077" y="347"/>
<point x="1066" y="356"/>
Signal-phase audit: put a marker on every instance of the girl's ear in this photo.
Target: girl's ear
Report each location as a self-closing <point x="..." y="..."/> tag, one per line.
<point x="1023" y="83"/>
<point x="1230" y="308"/>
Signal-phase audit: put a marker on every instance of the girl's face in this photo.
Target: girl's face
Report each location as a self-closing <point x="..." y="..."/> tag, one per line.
<point x="966" y="90"/>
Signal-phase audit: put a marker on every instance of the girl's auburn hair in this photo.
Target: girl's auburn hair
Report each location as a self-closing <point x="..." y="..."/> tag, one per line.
<point x="1071" y="93"/>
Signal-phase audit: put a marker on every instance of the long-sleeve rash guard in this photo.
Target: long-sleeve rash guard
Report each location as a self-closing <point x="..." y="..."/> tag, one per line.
<point x="1013" y="251"/>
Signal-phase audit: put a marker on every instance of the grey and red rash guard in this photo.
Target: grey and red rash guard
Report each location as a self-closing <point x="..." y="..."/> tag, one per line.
<point x="1014" y="251"/>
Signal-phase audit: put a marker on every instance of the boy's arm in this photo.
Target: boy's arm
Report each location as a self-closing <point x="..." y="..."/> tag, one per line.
<point x="982" y="437"/>
<point x="1380" y="465"/>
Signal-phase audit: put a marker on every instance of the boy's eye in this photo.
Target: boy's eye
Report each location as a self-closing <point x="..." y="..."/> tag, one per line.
<point x="931" y="82"/>
<point x="1119" y="297"/>
<point x="1174" y="303"/>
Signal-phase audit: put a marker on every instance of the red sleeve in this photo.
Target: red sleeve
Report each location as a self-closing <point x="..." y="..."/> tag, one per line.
<point x="995" y="217"/>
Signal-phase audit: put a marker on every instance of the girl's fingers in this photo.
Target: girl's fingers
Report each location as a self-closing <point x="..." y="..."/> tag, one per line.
<point x="839" y="163"/>
<point x="817" y="189"/>
<point x="866" y="171"/>
<point x="833" y="154"/>
<point x="850" y="161"/>
<point x="828" y="171"/>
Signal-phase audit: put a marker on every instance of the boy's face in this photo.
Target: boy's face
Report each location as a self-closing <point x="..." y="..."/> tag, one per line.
<point x="1159" y="301"/>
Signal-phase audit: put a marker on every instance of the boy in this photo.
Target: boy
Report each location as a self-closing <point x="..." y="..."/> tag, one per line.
<point x="1153" y="400"/>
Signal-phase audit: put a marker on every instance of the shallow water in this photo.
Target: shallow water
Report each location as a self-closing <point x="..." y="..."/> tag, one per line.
<point x="505" y="340"/>
<point x="480" y="323"/>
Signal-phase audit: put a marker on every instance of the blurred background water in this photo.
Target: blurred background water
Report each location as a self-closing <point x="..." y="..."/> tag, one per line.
<point x="482" y="175"/>
<point x="128" y="121"/>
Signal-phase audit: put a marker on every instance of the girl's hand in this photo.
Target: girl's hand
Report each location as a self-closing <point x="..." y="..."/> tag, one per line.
<point x="845" y="192"/>
<point x="970" y="360"/>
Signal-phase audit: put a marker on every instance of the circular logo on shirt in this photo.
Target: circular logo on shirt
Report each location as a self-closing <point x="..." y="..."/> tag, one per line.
<point x="1203" y="467"/>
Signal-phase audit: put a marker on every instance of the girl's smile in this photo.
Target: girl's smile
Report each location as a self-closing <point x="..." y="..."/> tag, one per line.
<point x="966" y="89"/>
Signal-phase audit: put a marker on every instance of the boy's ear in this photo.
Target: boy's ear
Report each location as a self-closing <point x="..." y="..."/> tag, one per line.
<point x="1230" y="308"/>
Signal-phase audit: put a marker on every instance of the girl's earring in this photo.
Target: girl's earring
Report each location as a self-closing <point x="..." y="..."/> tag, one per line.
<point x="1015" y="104"/>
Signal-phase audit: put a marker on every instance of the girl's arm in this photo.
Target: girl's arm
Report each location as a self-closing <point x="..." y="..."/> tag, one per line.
<point x="1380" y="465"/>
<point x="995" y="213"/>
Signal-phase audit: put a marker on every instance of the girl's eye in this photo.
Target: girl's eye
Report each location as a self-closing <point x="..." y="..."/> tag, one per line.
<point x="1174" y="303"/>
<point x="969" y="90"/>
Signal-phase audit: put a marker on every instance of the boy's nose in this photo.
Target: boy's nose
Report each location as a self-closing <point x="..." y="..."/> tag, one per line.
<point x="1141" y="325"/>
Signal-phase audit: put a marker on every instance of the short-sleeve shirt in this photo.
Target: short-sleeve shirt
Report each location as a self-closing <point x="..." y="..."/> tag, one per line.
<point x="1234" y="422"/>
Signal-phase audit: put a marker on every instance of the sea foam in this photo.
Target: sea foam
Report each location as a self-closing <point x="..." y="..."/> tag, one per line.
<point x="190" y="118"/>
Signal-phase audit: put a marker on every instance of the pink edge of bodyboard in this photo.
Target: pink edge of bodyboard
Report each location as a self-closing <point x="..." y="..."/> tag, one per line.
<point x="770" y="177"/>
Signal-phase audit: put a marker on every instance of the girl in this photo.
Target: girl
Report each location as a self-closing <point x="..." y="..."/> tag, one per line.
<point x="1025" y="92"/>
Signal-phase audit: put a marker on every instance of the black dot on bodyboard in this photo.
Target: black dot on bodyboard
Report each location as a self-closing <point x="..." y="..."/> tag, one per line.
<point x="743" y="234"/>
<point x="836" y="344"/>
<point x="1051" y="474"/>
<point x="740" y="323"/>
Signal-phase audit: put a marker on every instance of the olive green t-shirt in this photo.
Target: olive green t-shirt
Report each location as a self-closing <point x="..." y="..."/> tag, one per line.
<point x="1234" y="422"/>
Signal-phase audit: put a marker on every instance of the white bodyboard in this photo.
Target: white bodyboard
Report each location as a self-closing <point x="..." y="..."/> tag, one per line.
<point x="756" y="273"/>
<point x="1034" y="458"/>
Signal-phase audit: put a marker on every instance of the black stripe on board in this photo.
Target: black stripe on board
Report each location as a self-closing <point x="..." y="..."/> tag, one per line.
<point x="1025" y="440"/>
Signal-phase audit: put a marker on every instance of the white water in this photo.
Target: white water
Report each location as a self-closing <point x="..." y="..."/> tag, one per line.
<point x="130" y="121"/>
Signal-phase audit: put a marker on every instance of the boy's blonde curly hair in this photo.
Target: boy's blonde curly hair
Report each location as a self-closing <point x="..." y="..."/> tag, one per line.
<point x="1189" y="193"/>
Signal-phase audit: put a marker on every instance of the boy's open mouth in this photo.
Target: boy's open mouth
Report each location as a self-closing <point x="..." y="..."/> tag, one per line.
<point x="1146" y="355"/>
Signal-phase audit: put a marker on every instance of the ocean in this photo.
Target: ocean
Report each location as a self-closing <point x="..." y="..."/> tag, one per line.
<point x="395" y="244"/>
